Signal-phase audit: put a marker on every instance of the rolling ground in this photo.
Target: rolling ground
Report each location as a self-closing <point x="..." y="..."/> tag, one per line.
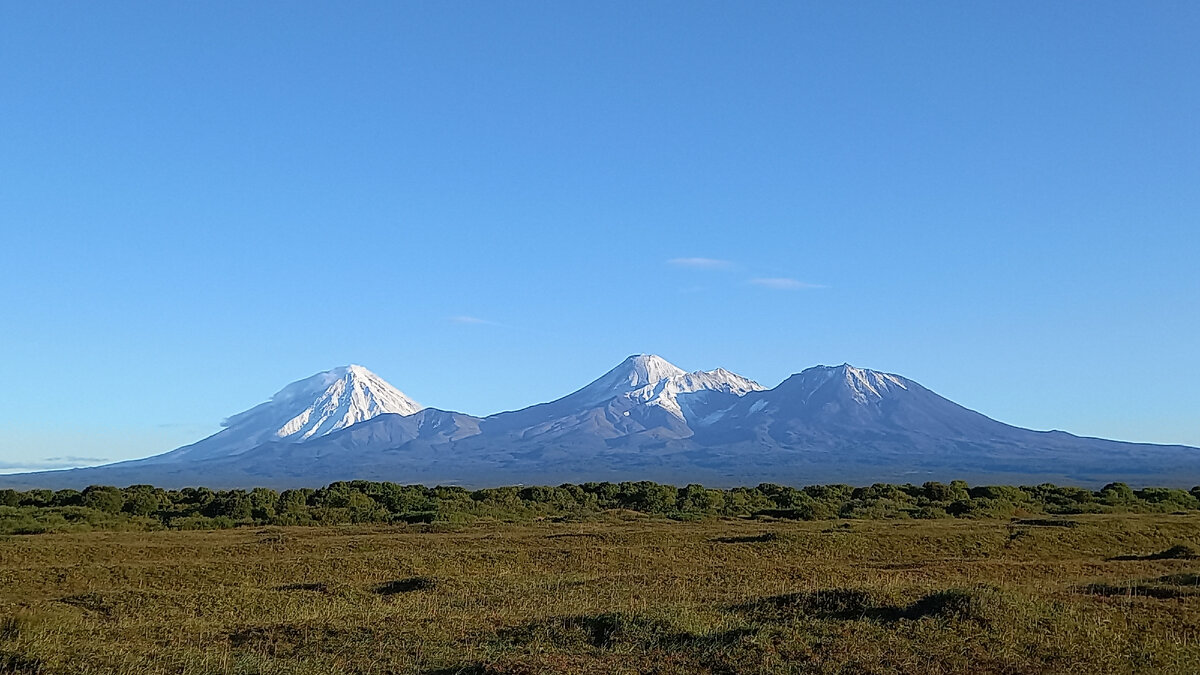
<point x="621" y="593"/>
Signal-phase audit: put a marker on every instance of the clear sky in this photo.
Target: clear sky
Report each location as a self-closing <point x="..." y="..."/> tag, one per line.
<point x="490" y="204"/>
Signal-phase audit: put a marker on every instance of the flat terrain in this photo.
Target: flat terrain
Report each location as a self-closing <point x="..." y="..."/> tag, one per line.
<point x="625" y="594"/>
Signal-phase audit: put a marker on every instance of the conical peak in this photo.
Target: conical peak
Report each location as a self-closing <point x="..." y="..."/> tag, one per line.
<point x="634" y="373"/>
<point x="352" y="371"/>
<point x="324" y="402"/>
<point x="652" y="380"/>
<point x="322" y="380"/>
<point x="360" y="376"/>
<point x="643" y="369"/>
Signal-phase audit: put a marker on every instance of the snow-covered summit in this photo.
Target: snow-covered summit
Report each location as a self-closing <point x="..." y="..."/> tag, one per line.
<point x="326" y="402"/>
<point x="632" y="374"/>
<point x="652" y="380"/>
<point x="305" y="409"/>
<point x="860" y="384"/>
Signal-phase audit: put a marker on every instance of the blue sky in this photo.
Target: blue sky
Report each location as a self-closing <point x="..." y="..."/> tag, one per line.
<point x="481" y="202"/>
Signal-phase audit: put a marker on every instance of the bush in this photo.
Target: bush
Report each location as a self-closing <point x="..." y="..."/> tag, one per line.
<point x="930" y="513"/>
<point x="1177" y="552"/>
<point x="103" y="498"/>
<point x="979" y="604"/>
<point x="147" y="507"/>
<point x="1117" y="494"/>
<point x="1168" y="499"/>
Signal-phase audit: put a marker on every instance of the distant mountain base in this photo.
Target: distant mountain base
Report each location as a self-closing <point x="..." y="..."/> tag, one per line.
<point x="643" y="420"/>
<point x="815" y="468"/>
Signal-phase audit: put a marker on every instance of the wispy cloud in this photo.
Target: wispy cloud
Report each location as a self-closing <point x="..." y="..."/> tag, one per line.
<point x="190" y="426"/>
<point x="472" y="320"/>
<point x="700" y="263"/>
<point x="784" y="284"/>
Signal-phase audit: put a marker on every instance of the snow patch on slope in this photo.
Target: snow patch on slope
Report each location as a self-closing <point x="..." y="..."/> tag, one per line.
<point x="870" y="385"/>
<point x="666" y="393"/>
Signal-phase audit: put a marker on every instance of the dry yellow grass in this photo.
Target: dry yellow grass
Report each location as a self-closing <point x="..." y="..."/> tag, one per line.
<point x="625" y="594"/>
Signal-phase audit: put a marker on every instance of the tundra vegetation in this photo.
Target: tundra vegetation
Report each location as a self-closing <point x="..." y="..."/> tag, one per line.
<point x="361" y="577"/>
<point x="145" y="507"/>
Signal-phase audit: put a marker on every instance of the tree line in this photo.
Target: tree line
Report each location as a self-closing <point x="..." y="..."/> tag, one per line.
<point x="360" y="501"/>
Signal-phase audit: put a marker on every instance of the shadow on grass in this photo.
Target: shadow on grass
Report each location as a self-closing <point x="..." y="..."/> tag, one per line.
<point x="1138" y="591"/>
<point x="404" y="586"/>
<point x="1176" y="552"/>
<point x="751" y="539"/>
<point x="977" y="604"/>
<point x="1045" y="522"/>
<point x="315" y="587"/>
<point x="743" y="648"/>
<point x="104" y="604"/>
<point x="1184" y="579"/>
<point x="612" y="629"/>
<point x="1166" y="587"/>
<point x="11" y="628"/>
<point x="12" y="663"/>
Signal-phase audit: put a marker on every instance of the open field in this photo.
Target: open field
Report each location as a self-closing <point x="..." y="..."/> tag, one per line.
<point x="624" y="593"/>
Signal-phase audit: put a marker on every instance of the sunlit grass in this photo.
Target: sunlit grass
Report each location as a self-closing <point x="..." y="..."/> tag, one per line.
<point x="620" y="594"/>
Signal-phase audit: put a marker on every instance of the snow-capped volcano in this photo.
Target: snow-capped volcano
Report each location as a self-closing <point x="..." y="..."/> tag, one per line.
<point x="309" y="408"/>
<point x="643" y="420"/>
<point x="326" y="402"/>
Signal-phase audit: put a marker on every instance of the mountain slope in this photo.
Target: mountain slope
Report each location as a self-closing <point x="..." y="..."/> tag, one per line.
<point x="847" y="402"/>
<point x="859" y="424"/>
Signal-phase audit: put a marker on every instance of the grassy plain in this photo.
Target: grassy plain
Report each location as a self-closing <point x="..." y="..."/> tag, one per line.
<point x="626" y="593"/>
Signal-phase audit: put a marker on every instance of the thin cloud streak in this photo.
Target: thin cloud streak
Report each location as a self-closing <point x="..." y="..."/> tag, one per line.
<point x="784" y="284"/>
<point x="700" y="263"/>
<point x="50" y="463"/>
<point x="472" y="321"/>
<point x="190" y="426"/>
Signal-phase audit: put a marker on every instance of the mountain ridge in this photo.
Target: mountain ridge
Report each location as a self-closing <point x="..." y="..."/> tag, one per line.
<point x="643" y="419"/>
